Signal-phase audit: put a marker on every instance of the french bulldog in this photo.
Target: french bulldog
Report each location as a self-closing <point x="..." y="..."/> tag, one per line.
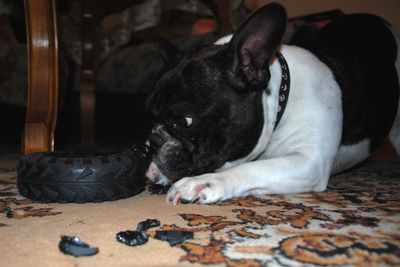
<point x="250" y="116"/>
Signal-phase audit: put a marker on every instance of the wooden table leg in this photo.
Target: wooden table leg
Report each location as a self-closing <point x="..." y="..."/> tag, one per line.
<point x="43" y="72"/>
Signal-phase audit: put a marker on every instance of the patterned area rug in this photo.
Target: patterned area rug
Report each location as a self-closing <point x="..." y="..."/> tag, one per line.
<point x="356" y="222"/>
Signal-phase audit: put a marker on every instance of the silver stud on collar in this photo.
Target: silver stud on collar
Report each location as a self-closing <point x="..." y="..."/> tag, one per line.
<point x="284" y="88"/>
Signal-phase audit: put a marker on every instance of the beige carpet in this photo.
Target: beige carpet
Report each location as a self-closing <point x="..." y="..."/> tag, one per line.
<point x="355" y="223"/>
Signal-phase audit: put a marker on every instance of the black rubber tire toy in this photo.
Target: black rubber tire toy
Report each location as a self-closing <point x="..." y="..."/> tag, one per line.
<point x="78" y="178"/>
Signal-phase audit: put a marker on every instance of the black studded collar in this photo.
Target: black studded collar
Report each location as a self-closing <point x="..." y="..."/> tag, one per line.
<point x="283" y="89"/>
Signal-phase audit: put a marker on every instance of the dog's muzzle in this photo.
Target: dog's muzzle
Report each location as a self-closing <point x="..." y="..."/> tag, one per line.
<point x="169" y="155"/>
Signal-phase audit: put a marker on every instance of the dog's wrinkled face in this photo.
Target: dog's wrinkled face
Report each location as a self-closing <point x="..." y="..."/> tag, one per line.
<point x="203" y="120"/>
<point x="208" y="107"/>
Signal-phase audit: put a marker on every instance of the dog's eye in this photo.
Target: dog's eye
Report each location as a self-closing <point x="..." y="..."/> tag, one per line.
<point x="184" y="122"/>
<point x="188" y="121"/>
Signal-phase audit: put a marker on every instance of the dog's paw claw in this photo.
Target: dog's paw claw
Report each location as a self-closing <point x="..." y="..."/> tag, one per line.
<point x="200" y="189"/>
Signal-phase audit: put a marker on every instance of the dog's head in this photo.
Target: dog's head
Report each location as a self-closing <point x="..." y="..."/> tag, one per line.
<point x="209" y="106"/>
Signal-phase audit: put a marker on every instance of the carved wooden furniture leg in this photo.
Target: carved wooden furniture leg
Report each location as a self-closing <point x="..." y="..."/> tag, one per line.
<point x="43" y="72"/>
<point x="220" y="9"/>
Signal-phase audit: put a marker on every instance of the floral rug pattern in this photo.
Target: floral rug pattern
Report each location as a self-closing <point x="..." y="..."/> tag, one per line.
<point x="356" y="222"/>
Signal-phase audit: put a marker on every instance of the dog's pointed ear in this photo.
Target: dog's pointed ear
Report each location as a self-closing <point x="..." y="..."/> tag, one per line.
<point x="254" y="44"/>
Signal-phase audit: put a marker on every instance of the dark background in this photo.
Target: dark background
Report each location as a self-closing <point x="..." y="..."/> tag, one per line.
<point x="127" y="65"/>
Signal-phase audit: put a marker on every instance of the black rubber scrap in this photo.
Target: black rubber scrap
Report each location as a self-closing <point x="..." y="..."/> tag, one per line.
<point x="149" y="223"/>
<point x="173" y="237"/>
<point x="132" y="238"/>
<point x="158" y="189"/>
<point x="138" y="237"/>
<point x="72" y="245"/>
<point x="9" y="212"/>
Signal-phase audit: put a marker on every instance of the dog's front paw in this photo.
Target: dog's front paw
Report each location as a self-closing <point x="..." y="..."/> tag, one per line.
<point x="206" y="188"/>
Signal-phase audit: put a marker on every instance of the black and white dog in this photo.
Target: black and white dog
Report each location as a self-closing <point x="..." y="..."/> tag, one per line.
<point x="249" y="116"/>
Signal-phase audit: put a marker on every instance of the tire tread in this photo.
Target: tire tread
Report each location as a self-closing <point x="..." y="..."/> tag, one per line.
<point x="51" y="177"/>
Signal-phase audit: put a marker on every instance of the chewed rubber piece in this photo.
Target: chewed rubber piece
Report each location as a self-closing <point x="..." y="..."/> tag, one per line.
<point x="173" y="237"/>
<point x="132" y="238"/>
<point x="72" y="245"/>
<point x="149" y="223"/>
<point x="158" y="189"/>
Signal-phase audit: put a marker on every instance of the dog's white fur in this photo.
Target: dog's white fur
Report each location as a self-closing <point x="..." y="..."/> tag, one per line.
<point x="301" y="153"/>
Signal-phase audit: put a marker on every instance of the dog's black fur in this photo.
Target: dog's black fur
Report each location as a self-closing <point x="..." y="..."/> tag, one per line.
<point x="370" y="87"/>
